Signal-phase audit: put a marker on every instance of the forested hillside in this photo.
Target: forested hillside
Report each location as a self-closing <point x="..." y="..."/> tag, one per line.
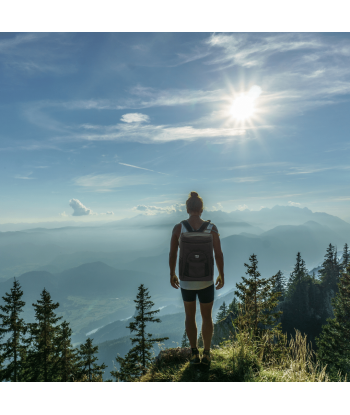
<point x="303" y="302"/>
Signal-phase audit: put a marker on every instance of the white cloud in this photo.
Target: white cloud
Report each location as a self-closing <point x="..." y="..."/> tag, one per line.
<point x="160" y="134"/>
<point x="242" y="207"/>
<point x="107" y="213"/>
<point x="153" y="210"/>
<point x="293" y="204"/>
<point x="217" y="207"/>
<point x="134" y="117"/>
<point x="78" y="208"/>
<point x="63" y="214"/>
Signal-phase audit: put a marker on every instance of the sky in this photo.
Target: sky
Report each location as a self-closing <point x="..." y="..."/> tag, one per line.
<point x="102" y="126"/>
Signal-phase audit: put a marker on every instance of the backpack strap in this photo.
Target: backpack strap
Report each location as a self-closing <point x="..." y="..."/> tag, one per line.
<point x="187" y="226"/>
<point x="201" y="229"/>
<point x="204" y="226"/>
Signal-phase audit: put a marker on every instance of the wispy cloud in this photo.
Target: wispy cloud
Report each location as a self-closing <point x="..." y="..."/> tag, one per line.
<point x="34" y="53"/>
<point x="309" y="171"/>
<point x="108" y="182"/>
<point x="18" y="176"/>
<point x="252" y="166"/>
<point x="313" y="169"/>
<point x="145" y="97"/>
<point x="301" y="70"/>
<point x="254" y="50"/>
<point x="156" y="134"/>
<point x="243" y="179"/>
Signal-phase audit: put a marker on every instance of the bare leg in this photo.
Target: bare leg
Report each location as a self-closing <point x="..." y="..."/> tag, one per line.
<point x="207" y="324"/>
<point x="190" y="323"/>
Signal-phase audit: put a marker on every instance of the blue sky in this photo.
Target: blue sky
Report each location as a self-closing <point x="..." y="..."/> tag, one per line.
<point x="108" y="125"/>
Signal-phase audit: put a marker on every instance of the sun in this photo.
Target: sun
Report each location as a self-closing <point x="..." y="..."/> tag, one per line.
<point x="243" y="106"/>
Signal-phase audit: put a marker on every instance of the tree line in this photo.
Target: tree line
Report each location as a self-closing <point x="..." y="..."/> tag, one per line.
<point x="43" y="352"/>
<point x="270" y="308"/>
<point x="318" y="306"/>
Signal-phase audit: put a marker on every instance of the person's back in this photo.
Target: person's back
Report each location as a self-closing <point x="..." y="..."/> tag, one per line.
<point x="197" y="286"/>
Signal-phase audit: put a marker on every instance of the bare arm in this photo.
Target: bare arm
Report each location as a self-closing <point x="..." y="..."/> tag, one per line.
<point x="219" y="258"/>
<point x="174" y="245"/>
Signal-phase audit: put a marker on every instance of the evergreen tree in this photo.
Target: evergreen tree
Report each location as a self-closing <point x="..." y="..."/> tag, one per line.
<point x="296" y="308"/>
<point x="222" y="313"/>
<point x="346" y="258"/>
<point x="257" y="300"/>
<point x="303" y="306"/>
<point x="330" y="271"/>
<point x="67" y="367"/>
<point x="298" y="273"/>
<point x="14" y="328"/>
<point x="88" y="367"/>
<point x="43" y="355"/>
<point x="280" y="285"/>
<point x="233" y="307"/>
<point x="334" y="341"/>
<point x="135" y="363"/>
<point x="185" y="342"/>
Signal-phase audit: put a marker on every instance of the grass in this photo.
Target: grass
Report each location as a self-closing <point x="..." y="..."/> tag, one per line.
<point x="242" y="360"/>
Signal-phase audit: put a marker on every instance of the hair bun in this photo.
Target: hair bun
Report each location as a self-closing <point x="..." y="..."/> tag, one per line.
<point x="194" y="194"/>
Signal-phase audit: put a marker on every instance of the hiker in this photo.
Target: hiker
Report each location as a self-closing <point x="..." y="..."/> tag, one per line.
<point x="197" y="239"/>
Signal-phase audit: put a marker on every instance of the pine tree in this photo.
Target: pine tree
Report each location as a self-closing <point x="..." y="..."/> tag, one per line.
<point x="233" y="307"/>
<point x="136" y="361"/>
<point x="88" y="367"/>
<point x="296" y="307"/>
<point x="298" y="273"/>
<point x="330" y="271"/>
<point x="222" y="313"/>
<point x="346" y="258"/>
<point x="43" y="355"/>
<point x="185" y="342"/>
<point x="67" y="367"/>
<point x="257" y="300"/>
<point x="280" y="285"/>
<point x="15" y="328"/>
<point x="334" y="341"/>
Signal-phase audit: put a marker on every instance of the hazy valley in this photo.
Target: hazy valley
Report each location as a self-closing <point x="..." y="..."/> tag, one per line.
<point x="94" y="271"/>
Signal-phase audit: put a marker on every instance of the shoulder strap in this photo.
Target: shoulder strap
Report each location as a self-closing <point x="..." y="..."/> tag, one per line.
<point x="187" y="226"/>
<point x="204" y="226"/>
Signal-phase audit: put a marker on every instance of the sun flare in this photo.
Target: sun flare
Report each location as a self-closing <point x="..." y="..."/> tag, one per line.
<point x="243" y="106"/>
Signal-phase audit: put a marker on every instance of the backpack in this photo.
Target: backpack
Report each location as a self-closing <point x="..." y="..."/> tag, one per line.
<point x="196" y="254"/>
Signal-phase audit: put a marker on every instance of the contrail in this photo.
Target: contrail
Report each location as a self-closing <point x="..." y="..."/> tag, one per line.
<point x="142" y="168"/>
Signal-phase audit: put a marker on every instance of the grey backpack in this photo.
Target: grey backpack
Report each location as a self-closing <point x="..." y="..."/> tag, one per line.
<point x="196" y="254"/>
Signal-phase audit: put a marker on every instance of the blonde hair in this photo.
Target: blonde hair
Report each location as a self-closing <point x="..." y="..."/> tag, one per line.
<point x="194" y="203"/>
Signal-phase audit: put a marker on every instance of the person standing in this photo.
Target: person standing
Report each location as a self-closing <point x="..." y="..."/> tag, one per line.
<point x="192" y="283"/>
